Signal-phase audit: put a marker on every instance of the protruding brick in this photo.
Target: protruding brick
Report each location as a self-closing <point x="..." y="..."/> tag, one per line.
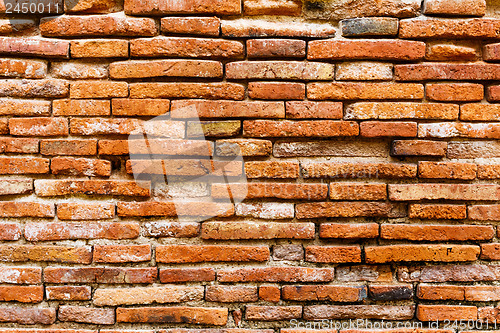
<point x="418" y="148"/>
<point x="447" y="71"/>
<point x="436" y="253"/>
<point x="22" y="294"/>
<point x="201" y="26"/>
<point x="458" y="28"/>
<point x="437" y="212"/>
<point x="370" y="26"/>
<point x="455" y="51"/>
<point x="436" y="232"/>
<point x="451" y="92"/>
<point x="93" y="6"/>
<point x="378" y="129"/>
<point x="273" y="7"/>
<point x="390" y="292"/>
<point x="441" y="292"/>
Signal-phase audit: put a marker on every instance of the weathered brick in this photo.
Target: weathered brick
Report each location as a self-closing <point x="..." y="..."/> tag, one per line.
<point x="180" y="275"/>
<point x="491" y="52"/>
<point x="23" y="165"/>
<point x="363" y="71"/>
<point x="276" y="48"/>
<point x="243" y="147"/>
<point x="125" y="126"/>
<point x="20" y="275"/>
<point x="22" y="294"/>
<point x="81" y="314"/>
<point x="121" y="253"/>
<point x="276" y="90"/>
<point x="348" y="231"/>
<point x="231" y="294"/>
<point x="265" y="28"/>
<point x="482" y="112"/>
<point x="488" y="171"/>
<point x="10" y="231"/>
<point x="446" y="312"/>
<point x="342" y="209"/>
<point x="459" y="28"/>
<point x="281" y="70"/>
<point x="358" y="170"/>
<point x="68" y="147"/>
<point x="272" y="7"/>
<point x="472" y="149"/>
<point x="22" y="253"/>
<point x="26" y="209"/>
<point x="28" y="316"/>
<point x="97" y="25"/>
<point x="312" y="110"/>
<point x="80" y="167"/>
<point x="265" y="210"/>
<point x="362" y="90"/>
<point x="273" y="169"/>
<point x="391" y="110"/>
<point x="459" y="130"/>
<point x="450" y="92"/>
<point x="493" y="93"/>
<point x="355" y="191"/>
<point x="390" y="293"/>
<point x="47" y="188"/>
<point x="16" y="26"/>
<point x="333" y="254"/>
<point x="207" y="253"/>
<point x="165" y="68"/>
<point x="148" y="295"/>
<point x="276" y="274"/>
<point x="418" y="148"/>
<point x="304" y="128"/>
<point x="455" y="7"/>
<point x="488" y="313"/>
<point x="179" y="314"/>
<point x="331" y="293"/>
<point x="447" y="170"/>
<point x="270" y="293"/>
<point x="443" y="191"/>
<point x="19" y="145"/>
<point x="389" y="312"/>
<point x="105" y="275"/>
<point x="39" y="47"/>
<point x="366" y="49"/>
<point x="272" y="313"/>
<point x="46" y="88"/>
<point x="344" y="148"/>
<point x="186" y="47"/>
<point x="137" y="7"/>
<point x="481" y="293"/>
<point x="256" y="230"/>
<point x="288" y="252"/>
<point x="437" y="212"/>
<point x="225" y="109"/>
<point x="202" y="26"/>
<point x="270" y="190"/>
<point x="484" y="212"/>
<point x="447" y="71"/>
<point x="77" y="70"/>
<point x="378" y="129"/>
<point x="456" y="51"/>
<point x="197" y="129"/>
<point x="68" y="293"/>
<point x="490" y="252"/>
<point x="71" y="107"/>
<point x="140" y="107"/>
<point x="435" y="253"/>
<point x="84" y="211"/>
<point x="211" y="209"/>
<point x="38" y="126"/>
<point x="170" y="229"/>
<point x="98" y="89"/>
<point x="13" y="107"/>
<point x="95" y="48"/>
<point x="219" y="90"/>
<point x="29" y="69"/>
<point x="369" y="26"/>
<point x="94" y="6"/>
<point x="441" y="292"/>
<point x="436" y="232"/>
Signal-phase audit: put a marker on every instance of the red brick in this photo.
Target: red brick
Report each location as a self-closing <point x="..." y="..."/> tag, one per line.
<point x="272" y="313"/>
<point x="16" y="26"/>
<point x="279" y="70"/>
<point x="273" y="169"/>
<point x="29" y="69"/>
<point x="276" y="48"/>
<point x="447" y="170"/>
<point x="441" y="292"/>
<point x="487" y="171"/>
<point x="80" y="167"/>
<point x="181" y="275"/>
<point x="493" y="93"/>
<point x="10" y="231"/>
<point x="418" y="148"/>
<point x="305" y="128"/>
<point x="363" y="90"/>
<point x="355" y="191"/>
<point x="218" y="90"/>
<point x="428" y="253"/>
<point x="276" y="274"/>
<point x="186" y="47"/>
<point x="68" y="147"/>
<point x="84" y="211"/>
<point x="201" y="26"/>
<point x="391" y="110"/>
<point x="270" y="190"/>
<point x="19" y="145"/>
<point x="47" y="188"/>
<point x="446" y="312"/>
<point x="171" y="229"/>
<point x="23" y="165"/>
<point x="273" y="7"/>
<point x="484" y="212"/>
<point x="38" y="126"/>
<point x="482" y="293"/>
<point x="148" y="295"/>
<point x="265" y="28"/>
<point x="179" y="314"/>
<point x="243" y="147"/>
<point x="224" y="109"/>
<point x="231" y="294"/>
<point x="366" y="49"/>
<point x="377" y="129"/>
<point x="342" y="209"/>
<point x="162" y="7"/>
<point x="389" y="312"/>
<point x="140" y="107"/>
<point x="361" y="170"/>
<point x="22" y="294"/>
<point x="449" y="29"/>
<point x="46" y="88"/>
<point x="276" y="90"/>
<point x="113" y="147"/>
<point x="26" y="209"/>
<point x="451" y="92"/>
<point x="68" y="293"/>
<point x="491" y="52"/>
<point x="312" y="110"/>
<point x="169" y="209"/>
<point x="348" y="231"/>
<point x="451" y="52"/>
<point x="490" y="252"/>
<point x="21" y="275"/>
<point x="12" y="107"/>
<point x="105" y="275"/>
<point x="98" y="89"/>
<point x="488" y="313"/>
<point x="95" y="48"/>
<point x="437" y="212"/>
<point x="485" y="112"/>
<point x="199" y="253"/>
<point x="333" y="254"/>
<point x="165" y="68"/>
<point x="23" y="253"/>
<point x="27" y="316"/>
<point x="69" y="107"/>
<point x="256" y="230"/>
<point x="436" y="232"/>
<point x="455" y="7"/>
<point x="94" y="7"/>
<point x="415" y="192"/>
<point x="81" y="314"/>
<point x="40" y="47"/>
<point x="329" y="293"/>
<point x="121" y="253"/>
<point x="270" y="293"/>
<point x="441" y="71"/>
<point x="97" y="25"/>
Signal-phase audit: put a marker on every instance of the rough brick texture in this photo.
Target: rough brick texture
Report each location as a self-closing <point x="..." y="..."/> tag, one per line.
<point x="238" y="166"/>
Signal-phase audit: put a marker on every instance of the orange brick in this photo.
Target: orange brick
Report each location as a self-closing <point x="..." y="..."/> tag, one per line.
<point x="312" y="110"/>
<point x="333" y="254"/>
<point x="83" y="211"/>
<point x="178" y="314"/>
<point x="436" y="253"/>
<point x="446" y="170"/>
<point x="342" y="209"/>
<point x="279" y="70"/>
<point x="276" y="274"/>
<point x="449" y="29"/>
<point x="70" y="107"/>
<point x="10" y="231"/>
<point x="46" y="88"/>
<point x="26" y="209"/>
<point x="484" y="212"/>
<point x="441" y="292"/>
<point x="377" y="129"/>
<point x="490" y="251"/>
<point x="436" y="232"/>
<point x="265" y="210"/>
<point x="28" y="316"/>
<point x="121" y="253"/>
<point x="165" y="68"/>
<point x="23" y="253"/>
<point x="219" y="90"/>
<point x="355" y="191"/>
<point x="486" y="171"/>
<point x="348" y="231"/>
<point x="80" y="230"/>
<point x="418" y="148"/>
<point x="484" y="112"/>
<point x="96" y="48"/>
<point x="270" y="190"/>
<point x="303" y="128"/>
<point x="147" y="295"/>
<point x="68" y="147"/>
<point x="270" y="293"/>
<point x="21" y="275"/>
<point x="454" y="92"/>
<point x="361" y="170"/>
<point x="199" y="253"/>
<point x="40" y="47"/>
<point x="98" y="89"/>
<point x="81" y="314"/>
<point x="256" y="230"/>
<point x="24" y="107"/>
<point x="106" y="275"/>
<point x="459" y="130"/>
<point x="272" y="313"/>
<point x="231" y="294"/>
<point x="38" y="126"/>
<point x="29" y="69"/>
<point x="170" y="209"/>
<point x="324" y="293"/>
<point x="446" y="312"/>
<point x="137" y="7"/>
<point x="47" y="188"/>
<point x="439" y="51"/>
<point x="276" y="90"/>
<point x="23" y="165"/>
<point x="178" y="275"/>
<point x="392" y="110"/>
<point x="80" y="167"/>
<point x="276" y="48"/>
<point x="272" y="169"/>
<point x="455" y="7"/>
<point x="273" y="7"/>
<point x="22" y="294"/>
<point x="446" y="71"/>
<point x="415" y="192"/>
<point x="437" y="212"/>
<point x="363" y="90"/>
<point x="201" y="26"/>
<point x="223" y="109"/>
<point x="68" y="293"/>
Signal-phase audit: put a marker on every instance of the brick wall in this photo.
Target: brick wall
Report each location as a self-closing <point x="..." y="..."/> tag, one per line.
<point x="359" y="140"/>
